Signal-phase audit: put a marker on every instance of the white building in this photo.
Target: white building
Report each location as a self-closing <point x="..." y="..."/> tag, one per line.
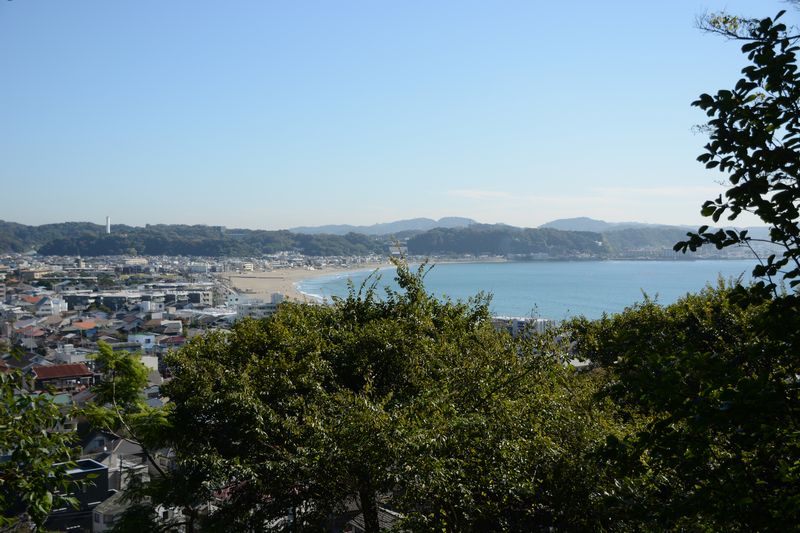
<point x="49" y="306"/>
<point x="518" y="325"/>
<point x="107" y="513"/>
<point x="204" y="298"/>
<point x="69" y="354"/>
<point x="149" y="361"/>
<point x="255" y="308"/>
<point x="149" y="306"/>
<point x="146" y="341"/>
<point x="198" y="268"/>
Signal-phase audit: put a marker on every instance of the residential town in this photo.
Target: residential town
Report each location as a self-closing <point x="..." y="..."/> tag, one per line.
<point x="56" y="311"/>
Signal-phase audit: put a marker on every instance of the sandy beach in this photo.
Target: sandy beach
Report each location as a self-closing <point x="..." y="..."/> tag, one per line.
<point x="264" y="284"/>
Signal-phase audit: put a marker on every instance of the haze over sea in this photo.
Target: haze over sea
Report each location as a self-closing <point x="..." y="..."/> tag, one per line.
<point x="556" y="289"/>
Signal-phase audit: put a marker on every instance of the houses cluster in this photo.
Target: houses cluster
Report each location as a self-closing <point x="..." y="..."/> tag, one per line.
<point x="54" y="312"/>
<point x="56" y="306"/>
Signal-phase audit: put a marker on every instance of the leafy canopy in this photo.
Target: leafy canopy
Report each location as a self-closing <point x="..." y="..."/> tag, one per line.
<point x="402" y="400"/>
<point x="33" y="479"/>
<point x="754" y="135"/>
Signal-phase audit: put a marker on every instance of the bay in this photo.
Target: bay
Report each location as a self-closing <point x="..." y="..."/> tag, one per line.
<point x="555" y="289"/>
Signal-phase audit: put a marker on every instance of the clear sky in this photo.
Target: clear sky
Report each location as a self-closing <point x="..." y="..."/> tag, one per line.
<point x="273" y="114"/>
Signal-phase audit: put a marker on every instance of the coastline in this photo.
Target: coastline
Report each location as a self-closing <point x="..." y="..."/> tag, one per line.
<point x="284" y="281"/>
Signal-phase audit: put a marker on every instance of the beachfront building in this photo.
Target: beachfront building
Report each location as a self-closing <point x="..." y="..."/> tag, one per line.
<point x="516" y="326"/>
<point x="254" y="308"/>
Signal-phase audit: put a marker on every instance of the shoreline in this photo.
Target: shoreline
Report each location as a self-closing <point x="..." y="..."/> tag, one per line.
<point x="284" y="281"/>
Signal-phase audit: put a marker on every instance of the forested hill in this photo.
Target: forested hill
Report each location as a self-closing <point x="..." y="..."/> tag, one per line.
<point x="479" y="239"/>
<point x="500" y="240"/>
<point x="20" y="237"/>
<point x="87" y="239"/>
<point x="638" y="238"/>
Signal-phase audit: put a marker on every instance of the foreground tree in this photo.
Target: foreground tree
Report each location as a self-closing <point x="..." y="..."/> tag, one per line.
<point x="710" y="384"/>
<point x="33" y="479"/>
<point x="755" y="141"/>
<point x="404" y="401"/>
<point x="119" y="407"/>
<point x="712" y="381"/>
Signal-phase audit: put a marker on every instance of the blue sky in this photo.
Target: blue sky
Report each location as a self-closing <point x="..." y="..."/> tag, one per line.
<point x="273" y="114"/>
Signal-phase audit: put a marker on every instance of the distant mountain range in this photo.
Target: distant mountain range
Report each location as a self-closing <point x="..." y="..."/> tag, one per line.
<point x="563" y="239"/>
<point x="601" y="226"/>
<point x="410" y="227"/>
<point x="388" y="228"/>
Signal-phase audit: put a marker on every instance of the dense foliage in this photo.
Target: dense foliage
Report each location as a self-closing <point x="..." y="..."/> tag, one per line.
<point x="715" y="378"/>
<point x="90" y="240"/>
<point x="684" y="419"/>
<point x="33" y="476"/>
<point x="87" y="239"/>
<point x="209" y="241"/>
<point x="21" y="238"/>
<point x="402" y="401"/>
<point x="754" y="140"/>
<point x="500" y="239"/>
<point x="643" y="238"/>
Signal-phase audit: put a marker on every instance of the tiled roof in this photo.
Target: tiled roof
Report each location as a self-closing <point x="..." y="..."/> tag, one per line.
<point x="72" y="370"/>
<point x="172" y="340"/>
<point x="33" y="332"/>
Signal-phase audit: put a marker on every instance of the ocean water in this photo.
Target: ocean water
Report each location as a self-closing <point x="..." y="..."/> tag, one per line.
<point x="555" y="289"/>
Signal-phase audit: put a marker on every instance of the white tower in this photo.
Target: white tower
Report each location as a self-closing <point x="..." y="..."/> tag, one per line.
<point x="108" y="225"/>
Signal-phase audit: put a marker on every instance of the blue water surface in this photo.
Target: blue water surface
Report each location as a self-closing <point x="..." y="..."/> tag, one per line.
<point x="556" y="289"/>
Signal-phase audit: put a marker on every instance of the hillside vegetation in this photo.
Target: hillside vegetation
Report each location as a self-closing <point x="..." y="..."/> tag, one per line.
<point x="87" y="239"/>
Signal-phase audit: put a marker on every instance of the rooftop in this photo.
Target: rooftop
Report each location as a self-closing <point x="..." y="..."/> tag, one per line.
<point x="62" y="371"/>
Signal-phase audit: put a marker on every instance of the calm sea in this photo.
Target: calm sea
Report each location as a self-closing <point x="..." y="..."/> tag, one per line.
<point x="557" y="289"/>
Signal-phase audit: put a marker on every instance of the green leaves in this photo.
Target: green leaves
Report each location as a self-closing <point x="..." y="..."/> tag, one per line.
<point x="710" y="383"/>
<point x="33" y="480"/>
<point x="404" y="397"/>
<point x="124" y="377"/>
<point x="754" y="135"/>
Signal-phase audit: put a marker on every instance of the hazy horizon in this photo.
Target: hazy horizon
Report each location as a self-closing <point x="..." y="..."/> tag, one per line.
<point x="271" y="116"/>
<point x="725" y="223"/>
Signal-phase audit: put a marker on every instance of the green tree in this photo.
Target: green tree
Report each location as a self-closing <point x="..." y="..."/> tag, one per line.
<point x="754" y="135"/>
<point x="106" y="281"/>
<point x="710" y="387"/>
<point x="404" y="400"/>
<point x="119" y="406"/>
<point x="709" y="384"/>
<point x="119" y="401"/>
<point x="33" y="479"/>
<point x="123" y="379"/>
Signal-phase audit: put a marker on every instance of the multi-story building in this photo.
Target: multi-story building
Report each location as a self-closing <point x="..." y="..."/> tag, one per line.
<point x="90" y="491"/>
<point x="516" y="326"/>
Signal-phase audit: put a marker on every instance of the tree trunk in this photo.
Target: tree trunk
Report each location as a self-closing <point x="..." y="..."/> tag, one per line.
<point x="369" y="506"/>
